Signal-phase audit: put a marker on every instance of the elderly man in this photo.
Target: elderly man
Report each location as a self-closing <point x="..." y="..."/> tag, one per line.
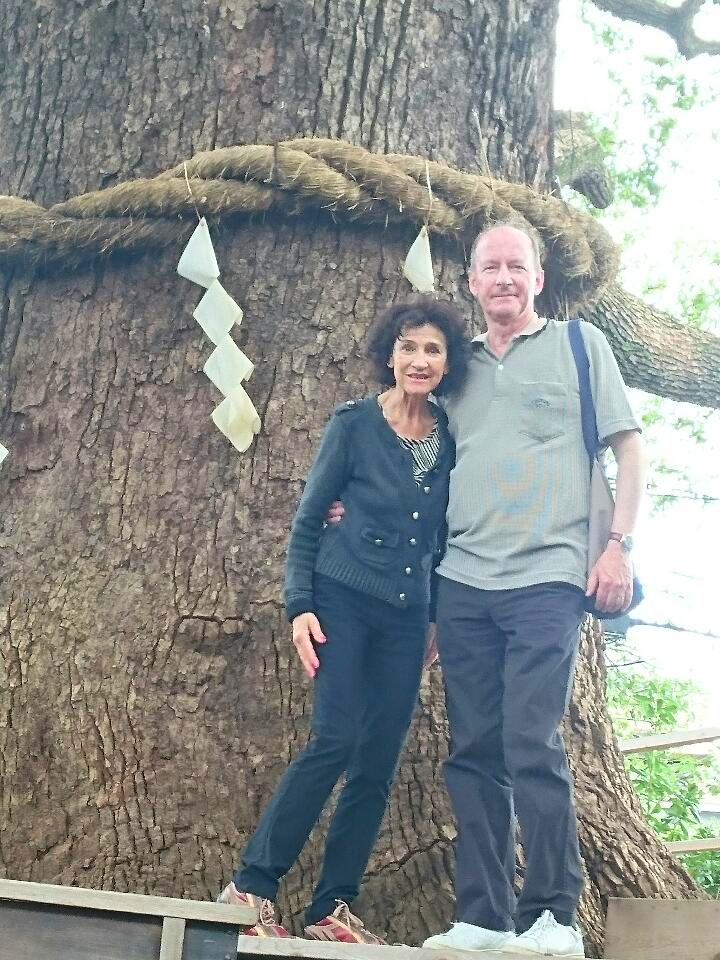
<point x="512" y="589"/>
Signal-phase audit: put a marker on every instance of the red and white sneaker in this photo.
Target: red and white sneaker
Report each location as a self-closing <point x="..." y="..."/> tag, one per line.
<point x="342" y="927"/>
<point x="266" y="925"/>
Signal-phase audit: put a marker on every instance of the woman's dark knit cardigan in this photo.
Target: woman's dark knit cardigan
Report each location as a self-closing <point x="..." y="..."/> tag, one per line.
<point x="388" y="541"/>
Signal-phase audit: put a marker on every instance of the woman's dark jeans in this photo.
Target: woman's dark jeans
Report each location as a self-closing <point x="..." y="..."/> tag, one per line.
<point x="365" y="691"/>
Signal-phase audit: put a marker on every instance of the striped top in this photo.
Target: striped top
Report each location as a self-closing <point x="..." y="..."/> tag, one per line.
<point x="424" y="452"/>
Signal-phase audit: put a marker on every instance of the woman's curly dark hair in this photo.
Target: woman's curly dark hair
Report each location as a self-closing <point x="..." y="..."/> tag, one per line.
<point x="399" y="318"/>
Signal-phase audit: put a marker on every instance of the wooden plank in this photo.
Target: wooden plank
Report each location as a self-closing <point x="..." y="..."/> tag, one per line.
<point x="666" y="741"/>
<point x="126" y="902"/>
<point x="173" y="935"/>
<point x="663" y="930"/>
<point x="31" y="931"/>
<point x="690" y="846"/>
<point x="292" y="947"/>
<point x="209" y="941"/>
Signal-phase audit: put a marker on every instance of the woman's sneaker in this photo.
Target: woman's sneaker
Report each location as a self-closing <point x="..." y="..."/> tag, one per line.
<point x="342" y="927"/>
<point x="266" y="925"/>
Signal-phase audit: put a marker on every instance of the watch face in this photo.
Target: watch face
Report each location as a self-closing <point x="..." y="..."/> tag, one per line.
<point x="627" y="542"/>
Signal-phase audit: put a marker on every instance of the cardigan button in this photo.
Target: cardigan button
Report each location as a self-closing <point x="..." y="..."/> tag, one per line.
<point x="416" y="515"/>
<point x="402" y="596"/>
<point x="412" y="541"/>
<point x="426" y="489"/>
<point x="378" y="542"/>
<point x="408" y="570"/>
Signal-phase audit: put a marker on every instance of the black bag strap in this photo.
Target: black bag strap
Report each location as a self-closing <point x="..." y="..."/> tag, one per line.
<point x="587" y="407"/>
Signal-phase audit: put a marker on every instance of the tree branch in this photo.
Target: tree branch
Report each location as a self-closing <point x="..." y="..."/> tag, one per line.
<point x="655" y="351"/>
<point x="621" y="625"/>
<point x="676" y="22"/>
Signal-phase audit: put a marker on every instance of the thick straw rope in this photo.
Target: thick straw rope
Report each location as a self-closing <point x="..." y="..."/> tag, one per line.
<point x="345" y="181"/>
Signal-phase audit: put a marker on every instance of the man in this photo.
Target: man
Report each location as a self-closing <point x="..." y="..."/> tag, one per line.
<point x="511" y="597"/>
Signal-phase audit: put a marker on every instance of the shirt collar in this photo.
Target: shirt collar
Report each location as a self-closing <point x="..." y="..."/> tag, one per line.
<point x="531" y="327"/>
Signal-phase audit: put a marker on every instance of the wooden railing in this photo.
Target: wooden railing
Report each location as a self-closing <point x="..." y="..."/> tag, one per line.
<point x="667" y="741"/>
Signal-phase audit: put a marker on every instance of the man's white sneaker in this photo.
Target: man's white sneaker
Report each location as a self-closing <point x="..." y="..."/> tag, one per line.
<point x="466" y="936"/>
<point x="547" y="937"/>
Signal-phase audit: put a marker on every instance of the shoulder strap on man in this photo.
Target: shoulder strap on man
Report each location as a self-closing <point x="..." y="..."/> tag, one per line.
<point x="587" y="407"/>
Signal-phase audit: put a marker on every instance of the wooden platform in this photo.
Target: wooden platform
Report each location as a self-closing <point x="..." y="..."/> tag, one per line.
<point x="47" y="922"/>
<point x="293" y="948"/>
<point x="40" y="921"/>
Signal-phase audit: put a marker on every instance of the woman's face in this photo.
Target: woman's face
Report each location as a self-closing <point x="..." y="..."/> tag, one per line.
<point x="419" y="359"/>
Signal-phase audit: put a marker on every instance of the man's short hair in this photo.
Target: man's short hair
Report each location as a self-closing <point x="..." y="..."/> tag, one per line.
<point x="517" y="223"/>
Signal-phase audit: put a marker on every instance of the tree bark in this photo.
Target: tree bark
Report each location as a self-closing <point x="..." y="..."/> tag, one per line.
<point x="150" y="695"/>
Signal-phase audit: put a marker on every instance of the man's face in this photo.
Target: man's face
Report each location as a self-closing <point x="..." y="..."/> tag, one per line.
<point x="504" y="278"/>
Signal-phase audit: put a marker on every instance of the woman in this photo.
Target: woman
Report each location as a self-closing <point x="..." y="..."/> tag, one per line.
<point x="357" y="594"/>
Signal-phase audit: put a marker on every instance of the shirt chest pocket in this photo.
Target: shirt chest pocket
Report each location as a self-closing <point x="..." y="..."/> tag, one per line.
<point x="543" y="414"/>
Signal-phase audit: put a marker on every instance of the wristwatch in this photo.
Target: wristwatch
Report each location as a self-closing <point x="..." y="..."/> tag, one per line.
<point x="624" y="539"/>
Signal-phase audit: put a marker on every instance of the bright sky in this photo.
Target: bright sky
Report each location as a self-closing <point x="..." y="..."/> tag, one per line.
<point x="677" y="547"/>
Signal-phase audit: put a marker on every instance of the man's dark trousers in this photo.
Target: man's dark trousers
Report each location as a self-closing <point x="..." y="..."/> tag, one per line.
<point x="508" y="658"/>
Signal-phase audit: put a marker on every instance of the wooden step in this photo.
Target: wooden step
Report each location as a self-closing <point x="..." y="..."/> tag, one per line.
<point x="293" y="948"/>
<point x="663" y="930"/>
<point x="73" y="923"/>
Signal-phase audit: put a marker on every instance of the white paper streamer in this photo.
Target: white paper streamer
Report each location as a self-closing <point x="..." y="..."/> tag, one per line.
<point x="227" y="365"/>
<point x="418" y="266"/>
<point x="198" y="262"/>
<point x="3" y="452"/>
<point x="217" y="312"/>
<point x="237" y="418"/>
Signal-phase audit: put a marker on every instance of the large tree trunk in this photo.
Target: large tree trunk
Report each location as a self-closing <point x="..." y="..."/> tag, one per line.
<point x="150" y="698"/>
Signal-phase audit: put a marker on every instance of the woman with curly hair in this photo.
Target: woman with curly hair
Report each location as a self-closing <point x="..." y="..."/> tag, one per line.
<point x="358" y="595"/>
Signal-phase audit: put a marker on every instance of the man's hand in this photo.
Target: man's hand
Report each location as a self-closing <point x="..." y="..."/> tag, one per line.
<point x="336" y="511"/>
<point x="306" y="630"/>
<point x="431" y="649"/>
<point x="610" y="580"/>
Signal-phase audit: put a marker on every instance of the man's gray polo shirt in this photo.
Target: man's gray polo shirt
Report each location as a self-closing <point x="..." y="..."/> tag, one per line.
<point x="519" y="492"/>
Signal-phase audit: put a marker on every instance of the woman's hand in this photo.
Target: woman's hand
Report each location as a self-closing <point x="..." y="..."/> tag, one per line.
<point x="306" y="630"/>
<point x="431" y="650"/>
